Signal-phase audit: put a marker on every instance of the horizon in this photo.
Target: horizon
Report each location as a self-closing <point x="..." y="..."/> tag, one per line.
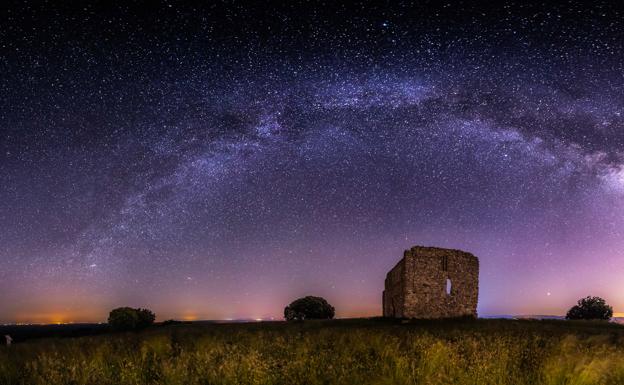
<point x="57" y="320"/>
<point x="617" y="317"/>
<point x="219" y="161"/>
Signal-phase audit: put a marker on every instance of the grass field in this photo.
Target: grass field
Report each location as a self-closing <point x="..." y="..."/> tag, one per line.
<point x="329" y="352"/>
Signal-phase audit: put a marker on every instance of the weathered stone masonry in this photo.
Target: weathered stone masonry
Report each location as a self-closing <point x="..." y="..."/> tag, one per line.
<point x="431" y="282"/>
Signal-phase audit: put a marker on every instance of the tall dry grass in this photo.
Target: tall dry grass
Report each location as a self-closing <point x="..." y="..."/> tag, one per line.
<point x="339" y="352"/>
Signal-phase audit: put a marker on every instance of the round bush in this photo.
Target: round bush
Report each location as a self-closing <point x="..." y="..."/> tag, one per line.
<point x="127" y="318"/>
<point x="309" y="308"/>
<point x="590" y="308"/>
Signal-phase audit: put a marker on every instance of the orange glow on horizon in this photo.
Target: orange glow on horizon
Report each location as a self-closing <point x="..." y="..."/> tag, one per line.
<point x="54" y="317"/>
<point x="190" y="317"/>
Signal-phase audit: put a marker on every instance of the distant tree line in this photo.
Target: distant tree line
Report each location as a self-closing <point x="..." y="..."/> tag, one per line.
<point x="310" y="307"/>
<point x="306" y="308"/>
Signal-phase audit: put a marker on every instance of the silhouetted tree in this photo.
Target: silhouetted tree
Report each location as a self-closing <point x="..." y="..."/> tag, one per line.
<point x="146" y="318"/>
<point x="590" y="308"/>
<point x="123" y="318"/>
<point x="127" y="318"/>
<point x="309" y="308"/>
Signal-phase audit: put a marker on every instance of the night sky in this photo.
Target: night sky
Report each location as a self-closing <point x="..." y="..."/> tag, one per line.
<point x="219" y="161"/>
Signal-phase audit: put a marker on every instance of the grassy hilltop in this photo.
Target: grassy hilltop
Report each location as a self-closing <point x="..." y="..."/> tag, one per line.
<point x="329" y="352"/>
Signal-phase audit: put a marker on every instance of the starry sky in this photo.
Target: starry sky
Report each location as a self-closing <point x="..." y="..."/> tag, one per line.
<point x="216" y="161"/>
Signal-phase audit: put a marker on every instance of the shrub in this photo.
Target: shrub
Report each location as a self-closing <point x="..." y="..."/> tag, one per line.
<point x="123" y="318"/>
<point x="171" y="322"/>
<point x="309" y="308"/>
<point x="590" y="308"/>
<point x="127" y="318"/>
<point x="146" y="318"/>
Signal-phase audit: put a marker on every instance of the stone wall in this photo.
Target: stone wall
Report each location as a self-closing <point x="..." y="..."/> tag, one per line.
<point x="394" y="291"/>
<point x="417" y="286"/>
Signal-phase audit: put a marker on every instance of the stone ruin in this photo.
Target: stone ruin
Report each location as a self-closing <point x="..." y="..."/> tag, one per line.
<point x="431" y="282"/>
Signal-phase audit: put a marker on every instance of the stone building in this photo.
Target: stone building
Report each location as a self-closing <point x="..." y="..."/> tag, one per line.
<point x="431" y="282"/>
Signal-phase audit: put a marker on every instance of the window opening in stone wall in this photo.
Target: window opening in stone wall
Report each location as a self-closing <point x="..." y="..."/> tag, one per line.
<point x="449" y="286"/>
<point x="445" y="263"/>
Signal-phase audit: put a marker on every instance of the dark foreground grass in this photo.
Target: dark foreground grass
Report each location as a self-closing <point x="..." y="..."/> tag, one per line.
<point x="330" y="352"/>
